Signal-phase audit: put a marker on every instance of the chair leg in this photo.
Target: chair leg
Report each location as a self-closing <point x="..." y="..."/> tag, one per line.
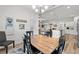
<point x="6" y="47"/>
<point x="13" y="44"/>
<point x="24" y="47"/>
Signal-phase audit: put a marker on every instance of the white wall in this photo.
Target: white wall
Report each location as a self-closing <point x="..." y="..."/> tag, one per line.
<point x="18" y="12"/>
<point x="75" y="20"/>
<point x="60" y="25"/>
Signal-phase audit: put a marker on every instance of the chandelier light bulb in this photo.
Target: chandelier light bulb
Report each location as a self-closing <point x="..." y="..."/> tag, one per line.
<point x="34" y="7"/>
<point x="42" y="10"/>
<point x="68" y="7"/>
<point x="36" y="10"/>
<point x="46" y="7"/>
<point x="40" y="5"/>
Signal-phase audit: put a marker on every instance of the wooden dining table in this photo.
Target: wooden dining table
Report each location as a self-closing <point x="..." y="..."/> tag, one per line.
<point x="45" y="44"/>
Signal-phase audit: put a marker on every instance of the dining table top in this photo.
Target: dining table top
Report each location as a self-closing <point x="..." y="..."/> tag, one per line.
<point x="45" y="44"/>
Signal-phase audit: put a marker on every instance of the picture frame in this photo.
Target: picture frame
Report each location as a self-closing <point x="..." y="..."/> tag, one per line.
<point x="21" y="26"/>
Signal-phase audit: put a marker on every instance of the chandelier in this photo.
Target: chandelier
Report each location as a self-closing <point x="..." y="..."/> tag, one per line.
<point x="40" y="9"/>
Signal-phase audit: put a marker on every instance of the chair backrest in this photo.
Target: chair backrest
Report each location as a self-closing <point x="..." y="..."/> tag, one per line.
<point x="47" y="33"/>
<point x="29" y="33"/>
<point x="61" y="44"/>
<point x="28" y="41"/>
<point x="28" y="36"/>
<point x="2" y="36"/>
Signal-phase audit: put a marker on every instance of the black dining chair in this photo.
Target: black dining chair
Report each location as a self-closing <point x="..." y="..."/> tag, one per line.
<point x="26" y="40"/>
<point x="61" y="45"/>
<point x="60" y="48"/>
<point x="4" y="42"/>
<point x="27" y="43"/>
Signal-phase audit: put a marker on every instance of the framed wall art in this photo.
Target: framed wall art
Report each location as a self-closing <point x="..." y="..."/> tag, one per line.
<point x="21" y="26"/>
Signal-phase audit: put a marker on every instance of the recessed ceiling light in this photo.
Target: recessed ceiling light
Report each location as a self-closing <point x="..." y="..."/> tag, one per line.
<point x="46" y="7"/>
<point x="33" y="7"/>
<point x="68" y="7"/>
<point x="36" y="10"/>
<point x="40" y="5"/>
<point x="42" y="10"/>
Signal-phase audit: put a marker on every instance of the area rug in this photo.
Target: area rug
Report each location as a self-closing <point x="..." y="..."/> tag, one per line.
<point x="16" y="51"/>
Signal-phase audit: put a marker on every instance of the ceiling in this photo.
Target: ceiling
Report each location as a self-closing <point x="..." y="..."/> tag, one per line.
<point x="56" y="12"/>
<point x="59" y="11"/>
<point x="31" y="9"/>
<point x="62" y="12"/>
